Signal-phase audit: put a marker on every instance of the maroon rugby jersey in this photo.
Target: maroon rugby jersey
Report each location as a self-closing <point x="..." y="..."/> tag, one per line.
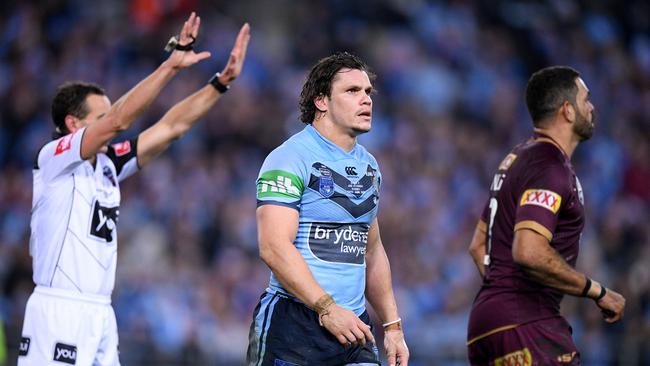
<point x="535" y="188"/>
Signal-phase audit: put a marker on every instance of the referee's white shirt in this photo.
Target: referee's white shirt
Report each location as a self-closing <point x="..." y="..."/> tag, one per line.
<point x="75" y="210"/>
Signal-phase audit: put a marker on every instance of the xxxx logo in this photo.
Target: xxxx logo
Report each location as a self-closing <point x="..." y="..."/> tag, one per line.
<point x="517" y="358"/>
<point x="543" y="198"/>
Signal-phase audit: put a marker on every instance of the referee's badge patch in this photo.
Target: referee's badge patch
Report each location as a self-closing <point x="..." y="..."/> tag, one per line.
<point x="64" y="144"/>
<point x="122" y="148"/>
<point x="24" y="346"/>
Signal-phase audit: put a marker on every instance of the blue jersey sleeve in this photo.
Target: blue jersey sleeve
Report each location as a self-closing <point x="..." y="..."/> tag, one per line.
<point x="282" y="179"/>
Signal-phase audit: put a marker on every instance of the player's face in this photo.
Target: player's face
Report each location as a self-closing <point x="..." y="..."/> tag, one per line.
<point x="97" y="106"/>
<point x="584" y="123"/>
<point x="350" y="106"/>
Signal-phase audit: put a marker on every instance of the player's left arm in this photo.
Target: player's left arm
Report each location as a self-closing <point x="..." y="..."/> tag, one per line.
<point x="379" y="291"/>
<point x="546" y="190"/>
<point x="545" y="265"/>
<point x="533" y="252"/>
<point x="182" y="116"/>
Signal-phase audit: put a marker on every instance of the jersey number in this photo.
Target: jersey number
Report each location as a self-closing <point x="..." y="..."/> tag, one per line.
<point x="494" y="205"/>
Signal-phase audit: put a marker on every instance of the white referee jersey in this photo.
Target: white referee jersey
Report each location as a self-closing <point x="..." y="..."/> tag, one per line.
<point x="75" y="210"/>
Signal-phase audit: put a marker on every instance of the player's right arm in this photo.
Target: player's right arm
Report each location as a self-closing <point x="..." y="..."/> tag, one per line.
<point x="531" y="247"/>
<point x="279" y="192"/>
<point x="477" y="247"/>
<point x="533" y="252"/>
<point x="277" y="227"/>
<point x="131" y="105"/>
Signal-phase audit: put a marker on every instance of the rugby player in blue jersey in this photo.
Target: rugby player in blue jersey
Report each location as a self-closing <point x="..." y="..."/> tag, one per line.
<point x="317" y="227"/>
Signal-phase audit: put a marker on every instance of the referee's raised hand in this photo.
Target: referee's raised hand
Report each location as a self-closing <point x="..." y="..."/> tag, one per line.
<point x="181" y="58"/>
<point x="237" y="56"/>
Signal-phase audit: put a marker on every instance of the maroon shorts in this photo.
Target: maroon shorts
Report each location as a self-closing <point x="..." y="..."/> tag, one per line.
<point x="542" y="342"/>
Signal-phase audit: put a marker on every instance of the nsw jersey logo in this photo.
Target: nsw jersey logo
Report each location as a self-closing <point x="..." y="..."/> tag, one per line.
<point x="543" y="198"/>
<point x="104" y="221"/>
<point x="325" y="182"/>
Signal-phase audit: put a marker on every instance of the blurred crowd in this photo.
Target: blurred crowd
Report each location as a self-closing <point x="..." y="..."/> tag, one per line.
<point x="449" y="107"/>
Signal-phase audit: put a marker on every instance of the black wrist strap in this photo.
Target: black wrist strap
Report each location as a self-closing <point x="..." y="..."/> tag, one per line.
<point x="214" y="81"/>
<point x="173" y="44"/>
<point x="603" y="292"/>
<point x="587" y="287"/>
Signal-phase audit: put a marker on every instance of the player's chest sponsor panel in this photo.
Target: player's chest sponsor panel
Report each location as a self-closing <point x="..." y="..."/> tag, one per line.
<point x="95" y="214"/>
<point x="339" y="242"/>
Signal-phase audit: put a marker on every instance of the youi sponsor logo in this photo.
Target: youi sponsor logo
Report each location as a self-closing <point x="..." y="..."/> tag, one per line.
<point x="65" y="353"/>
<point x="23" y="349"/>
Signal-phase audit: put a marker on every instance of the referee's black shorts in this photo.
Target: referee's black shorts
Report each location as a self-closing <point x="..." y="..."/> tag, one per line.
<point x="285" y="332"/>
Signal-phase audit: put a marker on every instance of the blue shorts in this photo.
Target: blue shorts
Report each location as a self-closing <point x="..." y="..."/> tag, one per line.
<point x="285" y="332"/>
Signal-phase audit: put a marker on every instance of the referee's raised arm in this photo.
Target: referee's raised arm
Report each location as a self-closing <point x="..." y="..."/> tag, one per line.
<point x="184" y="114"/>
<point x="131" y="105"/>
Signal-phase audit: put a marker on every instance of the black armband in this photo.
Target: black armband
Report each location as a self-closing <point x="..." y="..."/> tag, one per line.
<point x="587" y="287"/>
<point x="214" y="81"/>
<point x="603" y="292"/>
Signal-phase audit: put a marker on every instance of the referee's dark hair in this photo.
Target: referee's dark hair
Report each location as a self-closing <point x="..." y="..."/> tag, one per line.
<point x="319" y="80"/>
<point x="70" y="99"/>
<point x="548" y="89"/>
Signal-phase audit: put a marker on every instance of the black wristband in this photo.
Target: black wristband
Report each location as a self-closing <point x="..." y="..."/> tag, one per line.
<point x="587" y="287"/>
<point x="214" y="81"/>
<point x="603" y="292"/>
<point x="173" y="44"/>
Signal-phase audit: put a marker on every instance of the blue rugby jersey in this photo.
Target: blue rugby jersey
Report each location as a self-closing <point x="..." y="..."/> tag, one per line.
<point x="336" y="193"/>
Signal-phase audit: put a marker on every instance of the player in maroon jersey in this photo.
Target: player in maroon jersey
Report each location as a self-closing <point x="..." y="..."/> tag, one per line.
<point x="527" y="241"/>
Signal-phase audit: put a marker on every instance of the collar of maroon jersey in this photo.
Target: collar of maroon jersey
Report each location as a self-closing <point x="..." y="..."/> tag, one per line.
<point x="538" y="136"/>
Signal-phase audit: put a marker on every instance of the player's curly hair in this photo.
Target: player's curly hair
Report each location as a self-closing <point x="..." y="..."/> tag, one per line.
<point x="70" y="99"/>
<point x="548" y="89"/>
<point x="319" y="81"/>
